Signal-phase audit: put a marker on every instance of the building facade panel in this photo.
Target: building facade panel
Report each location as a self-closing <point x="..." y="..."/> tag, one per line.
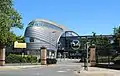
<point x="39" y="33"/>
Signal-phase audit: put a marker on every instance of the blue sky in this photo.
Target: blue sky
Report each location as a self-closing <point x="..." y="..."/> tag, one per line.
<point x="81" y="16"/>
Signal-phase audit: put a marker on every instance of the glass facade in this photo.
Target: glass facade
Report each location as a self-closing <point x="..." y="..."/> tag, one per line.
<point x="69" y="34"/>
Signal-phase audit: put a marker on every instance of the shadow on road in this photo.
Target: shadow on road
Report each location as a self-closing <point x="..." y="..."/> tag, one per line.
<point x="109" y="66"/>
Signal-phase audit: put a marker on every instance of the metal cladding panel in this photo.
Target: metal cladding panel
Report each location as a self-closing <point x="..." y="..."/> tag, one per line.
<point x="39" y="45"/>
<point x="45" y="37"/>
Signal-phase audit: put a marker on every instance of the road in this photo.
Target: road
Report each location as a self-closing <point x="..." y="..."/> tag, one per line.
<point x="62" y="68"/>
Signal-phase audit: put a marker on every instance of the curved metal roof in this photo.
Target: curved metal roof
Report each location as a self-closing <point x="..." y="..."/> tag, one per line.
<point x="50" y="22"/>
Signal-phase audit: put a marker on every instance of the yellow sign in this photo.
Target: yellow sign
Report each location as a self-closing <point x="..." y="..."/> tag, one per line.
<point x="19" y="45"/>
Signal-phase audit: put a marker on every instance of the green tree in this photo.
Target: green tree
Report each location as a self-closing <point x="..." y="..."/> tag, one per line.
<point x="103" y="47"/>
<point x="102" y="43"/>
<point x="93" y="40"/>
<point x="10" y="39"/>
<point x="20" y="39"/>
<point x="83" y="42"/>
<point x="9" y="18"/>
<point x="117" y="38"/>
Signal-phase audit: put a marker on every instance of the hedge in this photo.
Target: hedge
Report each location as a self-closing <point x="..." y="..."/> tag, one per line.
<point x="51" y="61"/>
<point x="13" y="58"/>
<point x="117" y="62"/>
<point x="105" y="60"/>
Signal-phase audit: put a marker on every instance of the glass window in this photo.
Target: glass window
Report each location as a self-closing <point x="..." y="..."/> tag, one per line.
<point x="74" y="34"/>
<point x="31" y="39"/>
<point x="71" y="34"/>
<point x="37" y="23"/>
<point x="27" y="39"/>
<point x="36" y="40"/>
<point x="31" y="23"/>
<point x="48" y="25"/>
<point x="44" y="24"/>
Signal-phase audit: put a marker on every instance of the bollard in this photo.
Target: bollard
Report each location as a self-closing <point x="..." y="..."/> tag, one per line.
<point x="2" y="55"/>
<point x="43" y="56"/>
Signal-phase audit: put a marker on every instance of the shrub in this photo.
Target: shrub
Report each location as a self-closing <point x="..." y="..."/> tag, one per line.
<point x="103" y="59"/>
<point x="31" y="59"/>
<point x="13" y="58"/>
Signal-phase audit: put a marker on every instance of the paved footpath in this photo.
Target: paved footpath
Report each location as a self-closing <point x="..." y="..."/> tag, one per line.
<point x="20" y="67"/>
<point x="94" y="71"/>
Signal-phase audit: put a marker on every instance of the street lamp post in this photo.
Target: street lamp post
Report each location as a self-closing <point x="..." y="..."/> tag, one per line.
<point x="87" y="54"/>
<point x="86" y="59"/>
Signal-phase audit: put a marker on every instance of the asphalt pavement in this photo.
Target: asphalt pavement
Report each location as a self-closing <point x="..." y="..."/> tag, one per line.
<point x="64" y="67"/>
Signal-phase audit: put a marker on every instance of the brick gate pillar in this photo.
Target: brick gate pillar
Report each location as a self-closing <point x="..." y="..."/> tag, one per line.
<point x="2" y="55"/>
<point x="92" y="56"/>
<point x="43" y="56"/>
